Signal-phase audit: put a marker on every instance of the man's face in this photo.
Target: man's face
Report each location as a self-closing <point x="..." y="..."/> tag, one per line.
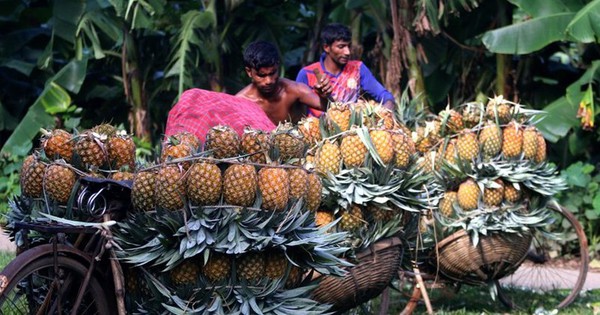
<point x="338" y="51"/>
<point x="265" y="79"/>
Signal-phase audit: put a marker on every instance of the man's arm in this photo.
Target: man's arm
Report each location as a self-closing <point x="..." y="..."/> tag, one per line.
<point x="309" y="97"/>
<point x="371" y="86"/>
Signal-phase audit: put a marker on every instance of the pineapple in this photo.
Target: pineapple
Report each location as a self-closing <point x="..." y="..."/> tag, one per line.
<point x="217" y="268"/>
<point x="223" y="141"/>
<point x="294" y="277"/>
<point x="386" y="116"/>
<point x="427" y="136"/>
<point x="203" y="183"/>
<point x="490" y="139"/>
<point x="58" y="143"/>
<point x="512" y="140"/>
<point x="58" y="182"/>
<point x="467" y="145"/>
<point x="427" y="162"/>
<point x="274" y="185"/>
<point x="404" y="148"/>
<point x="288" y="141"/>
<point x="251" y="266"/>
<point x="468" y="195"/>
<point x="188" y="139"/>
<point x="104" y="129"/>
<point x="309" y="127"/>
<point x="323" y="218"/>
<point x="170" y="187"/>
<point x="453" y="120"/>
<point x="328" y="158"/>
<point x="121" y="151"/>
<point x="173" y="148"/>
<point x="313" y="196"/>
<point x="275" y="265"/>
<point x="447" y="153"/>
<point x="120" y="176"/>
<point x="143" y="194"/>
<point x="91" y="148"/>
<point x="32" y="176"/>
<point x="256" y="143"/>
<point x="447" y="203"/>
<point x="353" y="150"/>
<point x="540" y="155"/>
<point x="530" y="143"/>
<point x="239" y="185"/>
<point x="383" y="143"/>
<point x="512" y="192"/>
<point x="472" y="114"/>
<point x="380" y="214"/>
<point x="352" y="219"/>
<point x="493" y="194"/>
<point x="298" y="182"/>
<point x="186" y="273"/>
<point x="338" y="114"/>
<point x="500" y="109"/>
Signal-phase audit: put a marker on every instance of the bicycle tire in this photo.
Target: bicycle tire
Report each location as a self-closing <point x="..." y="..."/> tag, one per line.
<point x="545" y="272"/>
<point x="36" y="287"/>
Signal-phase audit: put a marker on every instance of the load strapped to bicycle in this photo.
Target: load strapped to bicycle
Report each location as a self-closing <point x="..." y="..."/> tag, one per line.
<point x="319" y="217"/>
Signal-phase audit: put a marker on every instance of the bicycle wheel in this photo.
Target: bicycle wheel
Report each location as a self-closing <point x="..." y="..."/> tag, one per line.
<point x="41" y="287"/>
<point x="555" y="269"/>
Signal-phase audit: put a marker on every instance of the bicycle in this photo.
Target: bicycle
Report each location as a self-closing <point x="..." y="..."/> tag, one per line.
<point x="75" y="271"/>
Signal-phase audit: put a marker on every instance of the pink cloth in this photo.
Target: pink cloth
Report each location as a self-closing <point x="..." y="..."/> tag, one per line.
<point x="199" y="110"/>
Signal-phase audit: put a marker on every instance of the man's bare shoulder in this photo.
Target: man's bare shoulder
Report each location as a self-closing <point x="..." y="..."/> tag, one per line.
<point x="292" y="86"/>
<point x="248" y="92"/>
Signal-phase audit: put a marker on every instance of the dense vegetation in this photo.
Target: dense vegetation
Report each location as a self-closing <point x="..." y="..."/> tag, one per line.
<point x="74" y="64"/>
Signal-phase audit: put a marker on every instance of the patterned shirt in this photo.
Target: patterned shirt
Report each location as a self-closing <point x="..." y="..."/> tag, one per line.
<point x="354" y="79"/>
<point x="199" y="110"/>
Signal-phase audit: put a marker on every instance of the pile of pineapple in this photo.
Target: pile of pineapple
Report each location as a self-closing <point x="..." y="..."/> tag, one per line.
<point x="492" y="162"/>
<point x="367" y="159"/>
<point x="227" y="223"/>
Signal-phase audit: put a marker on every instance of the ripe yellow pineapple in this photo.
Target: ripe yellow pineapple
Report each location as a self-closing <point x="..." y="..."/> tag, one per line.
<point x="121" y="151"/>
<point x="446" y="153"/>
<point x="186" y="273"/>
<point x="493" y="194"/>
<point x="276" y="264"/>
<point x="385" y="117"/>
<point x="274" y="185"/>
<point x="257" y="143"/>
<point x="223" y="141"/>
<point x="173" y="149"/>
<point x="323" y="217"/>
<point x="500" y="109"/>
<point x="427" y="162"/>
<point x="447" y="203"/>
<point x="467" y="145"/>
<point x="468" y="195"/>
<point x="383" y="143"/>
<point x="472" y="114"/>
<point x="425" y="137"/>
<point x="353" y="150"/>
<point x="313" y="196"/>
<point x="352" y="218"/>
<point x="490" y="139"/>
<point x="121" y="175"/>
<point x="288" y="141"/>
<point x="239" y="185"/>
<point x="540" y="155"/>
<point x="453" y="120"/>
<point x="512" y="140"/>
<point x="530" y="143"/>
<point x="91" y="147"/>
<point x="511" y="193"/>
<point x="32" y="176"/>
<point x="143" y="190"/>
<point x="309" y="127"/>
<point x="188" y="139"/>
<point x="404" y="148"/>
<point x="58" y="143"/>
<point x="203" y="183"/>
<point x="217" y="268"/>
<point x="329" y="158"/>
<point x="58" y="182"/>
<point x="170" y="187"/>
<point x="339" y="115"/>
<point x="298" y="182"/>
<point x="251" y="266"/>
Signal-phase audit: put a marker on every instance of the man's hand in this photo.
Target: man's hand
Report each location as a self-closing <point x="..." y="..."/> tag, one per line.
<point x="323" y="87"/>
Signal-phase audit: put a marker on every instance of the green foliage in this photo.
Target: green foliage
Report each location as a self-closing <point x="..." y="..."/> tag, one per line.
<point x="9" y="182"/>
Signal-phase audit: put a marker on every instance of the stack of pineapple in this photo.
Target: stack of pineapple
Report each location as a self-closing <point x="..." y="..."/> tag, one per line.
<point x="366" y="157"/>
<point x="492" y="162"/>
<point x="227" y="228"/>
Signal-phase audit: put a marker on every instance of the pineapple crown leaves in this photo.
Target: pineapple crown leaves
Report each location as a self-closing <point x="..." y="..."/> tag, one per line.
<point x="409" y="110"/>
<point x="363" y="134"/>
<point x="542" y="178"/>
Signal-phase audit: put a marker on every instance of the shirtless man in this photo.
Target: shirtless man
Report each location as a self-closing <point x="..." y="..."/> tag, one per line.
<point x="281" y="99"/>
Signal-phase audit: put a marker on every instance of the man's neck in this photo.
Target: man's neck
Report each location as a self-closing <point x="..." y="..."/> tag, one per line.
<point x="331" y="66"/>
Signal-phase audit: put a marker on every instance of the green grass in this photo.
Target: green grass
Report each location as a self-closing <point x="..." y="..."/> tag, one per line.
<point x="5" y="258"/>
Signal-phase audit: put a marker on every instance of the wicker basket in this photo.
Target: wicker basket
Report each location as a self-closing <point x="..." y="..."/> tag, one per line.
<point x="375" y="269"/>
<point x="495" y="256"/>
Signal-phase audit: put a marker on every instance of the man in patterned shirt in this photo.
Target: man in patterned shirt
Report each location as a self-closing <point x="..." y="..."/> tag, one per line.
<point x="281" y="99"/>
<point x="348" y="78"/>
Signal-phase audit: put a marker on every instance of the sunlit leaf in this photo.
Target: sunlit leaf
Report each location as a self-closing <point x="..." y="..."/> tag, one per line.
<point x="539" y="8"/>
<point x="585" y="26"/>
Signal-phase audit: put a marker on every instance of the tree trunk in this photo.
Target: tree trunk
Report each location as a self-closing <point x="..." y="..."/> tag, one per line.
<point x="133" y="86"/>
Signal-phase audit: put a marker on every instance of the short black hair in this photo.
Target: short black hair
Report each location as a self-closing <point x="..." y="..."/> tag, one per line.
<point x="335" y="31"/>
<point x="260" y="54"/>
